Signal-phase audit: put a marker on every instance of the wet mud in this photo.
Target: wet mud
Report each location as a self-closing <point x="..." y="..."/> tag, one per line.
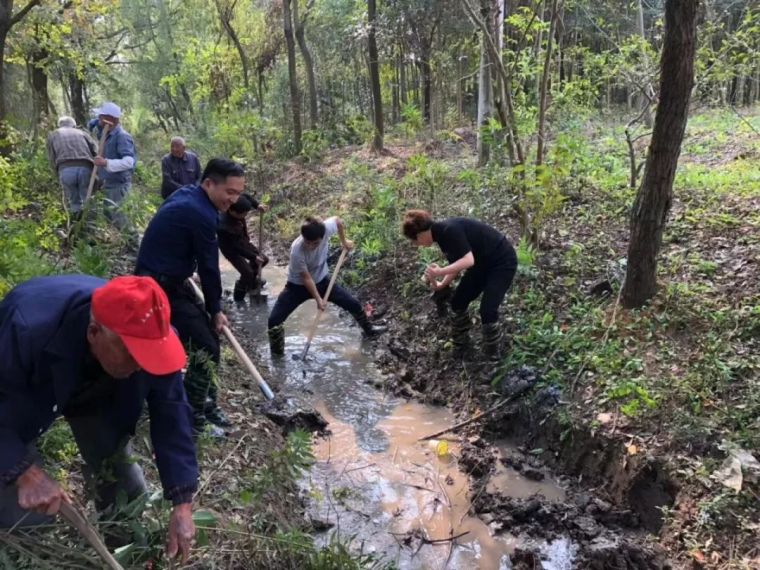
<point x="482" y="497"/>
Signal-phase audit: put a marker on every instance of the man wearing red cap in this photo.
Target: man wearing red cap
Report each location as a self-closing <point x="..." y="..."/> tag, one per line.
<point x="94" y="352"/>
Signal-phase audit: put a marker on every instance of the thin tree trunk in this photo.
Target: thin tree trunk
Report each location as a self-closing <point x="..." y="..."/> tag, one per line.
<point x="543" y="91"/>
<point x="226" y="12"/>
<point x="308" y="63"/>
<point x="426" y="78"/>
<point x="7" y="20"/>
<point x="653" y="200"/>
<point x="76" y="93"/>
<point x="38" y="80"/>
<point x="403" y="86"/>
<point x="396" y="92"/>
<point x="374" y="74"/>
<point x="484" y="101"/>
<point x="295" y="99"/>
<point x="503" y="71"/>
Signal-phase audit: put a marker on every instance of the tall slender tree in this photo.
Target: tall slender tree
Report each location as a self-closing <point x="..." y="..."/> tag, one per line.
<point x="299" y="23"/>
<point x="653" y="199"/>
<point x="295" y="97"/>
<point x="8" y="19"/>
<point x="374" y="75"/>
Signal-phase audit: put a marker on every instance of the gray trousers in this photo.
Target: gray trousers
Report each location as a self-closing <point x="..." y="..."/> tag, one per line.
<point x="108" y="470"/>
<point x="114" y="196"/>
<point x="75" y="180"/>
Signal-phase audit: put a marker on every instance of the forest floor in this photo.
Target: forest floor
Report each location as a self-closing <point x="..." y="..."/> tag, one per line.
<point x="645" y="414"/>
<point x="652" y="413"/>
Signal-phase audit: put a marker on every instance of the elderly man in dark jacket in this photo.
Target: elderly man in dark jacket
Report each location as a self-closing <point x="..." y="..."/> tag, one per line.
<point x="179" y="168"/>
<point x="94" y="352"/>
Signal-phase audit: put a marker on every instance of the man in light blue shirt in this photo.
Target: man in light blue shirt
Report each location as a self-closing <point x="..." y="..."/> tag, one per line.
<point x="308" y="278"/>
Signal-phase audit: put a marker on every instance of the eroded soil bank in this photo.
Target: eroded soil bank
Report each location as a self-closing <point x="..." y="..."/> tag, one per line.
<point x="488" y="499"/>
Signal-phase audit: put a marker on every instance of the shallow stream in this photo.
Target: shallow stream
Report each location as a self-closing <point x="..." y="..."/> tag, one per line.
<point x="374" y="482"/>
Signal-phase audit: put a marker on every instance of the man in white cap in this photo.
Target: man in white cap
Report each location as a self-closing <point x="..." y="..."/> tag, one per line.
<point x="116" y="165"/>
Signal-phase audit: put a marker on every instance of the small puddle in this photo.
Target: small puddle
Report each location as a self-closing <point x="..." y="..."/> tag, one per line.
<point x="374" y="482"/>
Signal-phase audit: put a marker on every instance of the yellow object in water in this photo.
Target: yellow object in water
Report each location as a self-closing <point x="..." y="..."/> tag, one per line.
<point x="442" y="448"/>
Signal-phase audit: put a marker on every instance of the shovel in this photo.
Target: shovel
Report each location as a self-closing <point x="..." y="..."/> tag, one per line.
<point x="318" y="318"/>
<point x="101" y="148"/>
<point x="263" y="386"/>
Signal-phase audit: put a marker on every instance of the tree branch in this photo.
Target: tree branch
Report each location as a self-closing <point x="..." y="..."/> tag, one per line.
<point x="18" y="16"/>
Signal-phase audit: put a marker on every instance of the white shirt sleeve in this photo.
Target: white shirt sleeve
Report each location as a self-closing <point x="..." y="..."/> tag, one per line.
<point x="120" y="164"/>
<point x="331" y="227"/>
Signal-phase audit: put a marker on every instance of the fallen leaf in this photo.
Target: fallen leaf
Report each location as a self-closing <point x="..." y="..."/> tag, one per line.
<point x="632" y="449"/>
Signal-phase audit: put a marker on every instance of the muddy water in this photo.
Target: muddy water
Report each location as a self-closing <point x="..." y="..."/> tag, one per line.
<point x="374" y="482"/>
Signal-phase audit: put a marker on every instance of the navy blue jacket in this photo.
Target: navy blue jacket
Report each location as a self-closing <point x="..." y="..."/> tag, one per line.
<point x="179" y="172"/>
<point x="43" y="346"/>
<point x="118" y="144"/>
<point x="179" y="238"/>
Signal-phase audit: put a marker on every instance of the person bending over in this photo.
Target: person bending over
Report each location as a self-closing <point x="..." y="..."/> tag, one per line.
<point x="308" y="278"/>
<point x="488" y="261"/>
<point x="235" y="244"/>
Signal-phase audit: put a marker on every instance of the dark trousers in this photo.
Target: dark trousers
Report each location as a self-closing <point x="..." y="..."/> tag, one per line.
<point x="109" y="470"/>
<point x="293" y="296"/>
<point x="492" y="280"/>
<point x="193" y="324"/>
<point x="249" y="270"/>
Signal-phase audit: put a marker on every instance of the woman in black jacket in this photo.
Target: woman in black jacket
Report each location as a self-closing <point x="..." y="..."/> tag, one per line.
<point x="488" y="261"/>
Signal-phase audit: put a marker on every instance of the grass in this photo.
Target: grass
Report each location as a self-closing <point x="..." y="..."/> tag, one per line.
<point x="683" y="370"/>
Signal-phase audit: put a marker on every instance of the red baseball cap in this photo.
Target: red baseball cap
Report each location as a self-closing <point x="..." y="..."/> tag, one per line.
<point x="137" y="309"/>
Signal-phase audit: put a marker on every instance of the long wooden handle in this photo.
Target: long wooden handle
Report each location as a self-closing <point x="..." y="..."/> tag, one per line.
<point x="94" y="172"/>
<point x="265" y="389"/>
<point x="318" y="317"/>
<point x="79" y="522"/>
<point x="263" y="386"/>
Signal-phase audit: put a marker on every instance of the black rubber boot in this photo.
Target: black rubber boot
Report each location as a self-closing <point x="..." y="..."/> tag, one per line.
<point x="201" y="425"/>
<point x="492" y="342"/>
<point x="441" y="299"/>
<point x="370" y="330"/>
<point x="238" y="293"/>
<point x="215" y="415"/>
<point x="460" y="334"/>
<point x="277" y="340"/>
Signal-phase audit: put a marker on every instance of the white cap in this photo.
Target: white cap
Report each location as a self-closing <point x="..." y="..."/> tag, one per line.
<point x="108" y="108"/>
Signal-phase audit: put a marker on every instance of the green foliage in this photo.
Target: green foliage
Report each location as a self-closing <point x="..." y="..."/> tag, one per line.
<point x="20" y="257"/>
<point x="411" y="119"/>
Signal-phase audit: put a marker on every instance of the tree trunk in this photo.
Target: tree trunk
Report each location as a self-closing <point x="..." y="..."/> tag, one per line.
<point x="76" y="94"/>
<point x="485" y="89"/>
<point x="374" y="75"/>
<point x="38" y="80"/>
<point x="426" y="79"/>
<point x="641" y="98"/>
<point x="653" y="200"/>
<point x="403" y="87"/>
<point x="308" y="63"/>
<point x="295" y="98"/>
<point x="544" y="88"/>
<point x="7" y="20"/>
<point x="226" y="12"/>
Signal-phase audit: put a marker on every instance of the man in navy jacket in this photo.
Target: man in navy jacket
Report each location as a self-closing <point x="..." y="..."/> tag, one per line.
<point x="180" y="239"/>
<point x="94" y="352"/>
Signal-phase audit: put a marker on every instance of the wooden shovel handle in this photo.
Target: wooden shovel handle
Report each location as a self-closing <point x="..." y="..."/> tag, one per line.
<point x="318" y="317"/>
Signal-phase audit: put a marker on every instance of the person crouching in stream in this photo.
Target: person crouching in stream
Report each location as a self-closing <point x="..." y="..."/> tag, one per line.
<point x="235" y="244"/>
<point x="308" y="278"/>
<point x="488" y="261"/>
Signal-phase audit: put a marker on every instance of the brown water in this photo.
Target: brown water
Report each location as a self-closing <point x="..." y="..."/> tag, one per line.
<point x="373" y="480"/>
